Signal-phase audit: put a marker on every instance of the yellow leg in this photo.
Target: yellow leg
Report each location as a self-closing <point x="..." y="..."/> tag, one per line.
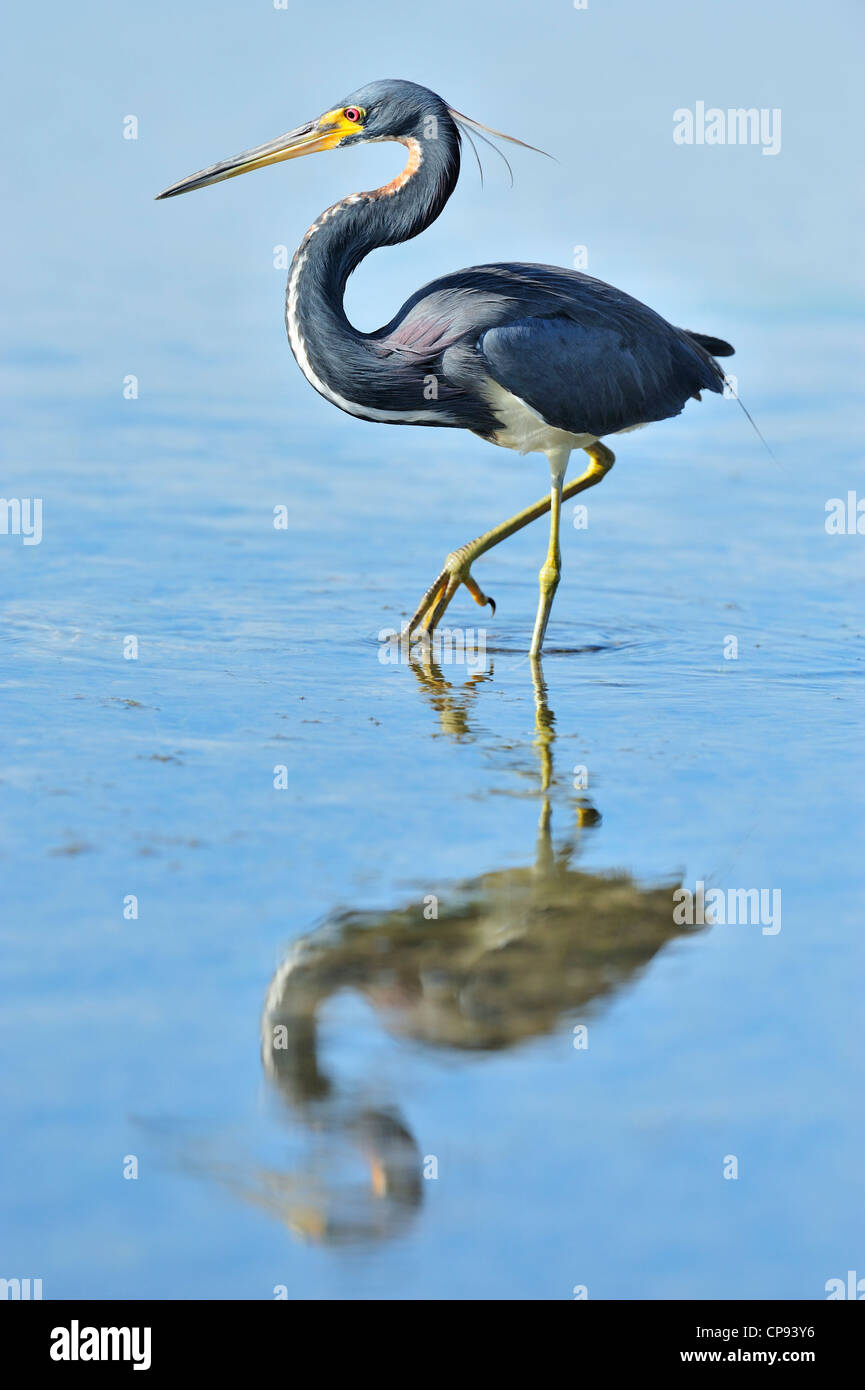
<point x="551" y="570"/>
<point x="458" y="564"/>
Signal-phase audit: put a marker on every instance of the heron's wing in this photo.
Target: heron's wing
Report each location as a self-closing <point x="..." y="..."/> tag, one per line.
<point x="585" y="356"/>
<point x="608" y="369"/>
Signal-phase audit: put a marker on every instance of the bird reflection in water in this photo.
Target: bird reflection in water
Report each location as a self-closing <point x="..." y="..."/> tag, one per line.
<point x="513" y="954"/>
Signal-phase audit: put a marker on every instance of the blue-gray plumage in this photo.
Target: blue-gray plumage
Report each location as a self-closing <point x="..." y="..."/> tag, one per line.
<point x="531" y="357"/>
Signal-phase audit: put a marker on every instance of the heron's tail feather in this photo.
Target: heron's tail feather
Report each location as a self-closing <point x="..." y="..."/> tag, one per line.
<point x="716" y="346"/>
<point x="755" y="427"/>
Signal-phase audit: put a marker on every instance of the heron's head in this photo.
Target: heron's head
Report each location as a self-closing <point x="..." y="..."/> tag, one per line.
<point x="388" y="110"/>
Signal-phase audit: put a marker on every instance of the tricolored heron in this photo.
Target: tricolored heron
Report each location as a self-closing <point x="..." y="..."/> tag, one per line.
<point x="532" y="357"/>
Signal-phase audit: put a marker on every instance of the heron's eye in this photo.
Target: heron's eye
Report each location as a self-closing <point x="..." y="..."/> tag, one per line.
<point x="352" y="114"/>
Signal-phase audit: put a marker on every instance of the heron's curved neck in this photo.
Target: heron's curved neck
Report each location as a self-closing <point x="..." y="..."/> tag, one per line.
<point x="322" y="339"/>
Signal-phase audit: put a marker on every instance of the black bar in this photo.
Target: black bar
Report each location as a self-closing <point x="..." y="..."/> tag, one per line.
<point x="209" y="1336"/>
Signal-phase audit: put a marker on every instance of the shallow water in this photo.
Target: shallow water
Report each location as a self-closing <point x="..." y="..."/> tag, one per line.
<point x="408" y="1039"/>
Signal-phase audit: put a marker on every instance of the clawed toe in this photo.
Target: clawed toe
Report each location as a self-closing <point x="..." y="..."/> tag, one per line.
<point x="432" y="606"/>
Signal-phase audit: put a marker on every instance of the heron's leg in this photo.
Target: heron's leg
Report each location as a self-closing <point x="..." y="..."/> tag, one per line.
<point x="458" y="565"/>
<point x="551" y="569"/>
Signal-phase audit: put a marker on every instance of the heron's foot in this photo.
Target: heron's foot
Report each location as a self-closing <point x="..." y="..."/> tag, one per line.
<point x="457" y="571"/>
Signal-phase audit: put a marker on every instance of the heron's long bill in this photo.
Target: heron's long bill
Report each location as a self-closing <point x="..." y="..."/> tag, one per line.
<point x="323" y="134"/>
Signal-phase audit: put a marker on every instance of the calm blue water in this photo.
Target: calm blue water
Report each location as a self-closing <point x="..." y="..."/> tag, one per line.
<point x="413" y="1046"/>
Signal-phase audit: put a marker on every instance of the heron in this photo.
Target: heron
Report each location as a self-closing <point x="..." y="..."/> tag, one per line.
<point x="533" y="358"/>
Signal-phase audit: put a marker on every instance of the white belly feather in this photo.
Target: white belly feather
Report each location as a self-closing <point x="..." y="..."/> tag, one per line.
<point x="523" y="429"/>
